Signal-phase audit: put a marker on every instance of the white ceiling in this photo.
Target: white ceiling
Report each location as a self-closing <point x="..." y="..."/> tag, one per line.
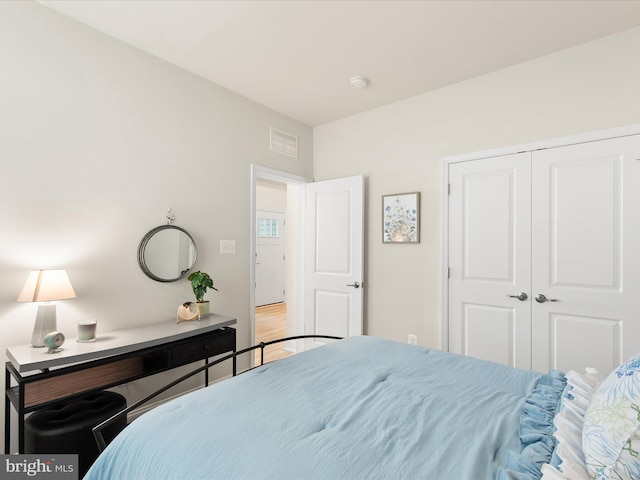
<point x="297" y="57"/>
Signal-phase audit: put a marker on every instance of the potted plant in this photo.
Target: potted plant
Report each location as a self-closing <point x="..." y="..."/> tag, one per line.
<point x="200" y="282"/>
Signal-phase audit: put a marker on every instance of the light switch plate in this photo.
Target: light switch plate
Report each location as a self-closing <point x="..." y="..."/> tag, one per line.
<point x="227" y="247"/>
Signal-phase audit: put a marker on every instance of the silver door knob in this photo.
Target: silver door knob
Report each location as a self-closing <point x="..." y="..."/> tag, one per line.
<point x="354" y="285"/>
<point x="540" y="298"/>
<point x="522" y="297"/>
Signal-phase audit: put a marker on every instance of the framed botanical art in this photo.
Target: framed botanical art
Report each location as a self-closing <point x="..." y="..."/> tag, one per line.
<point x="401" y="218"/>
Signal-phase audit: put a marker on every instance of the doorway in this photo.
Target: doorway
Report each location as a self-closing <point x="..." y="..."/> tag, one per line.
<point x="270" y="299"/>
<point x="277" y="246"/>
<point x="324" y="249"/>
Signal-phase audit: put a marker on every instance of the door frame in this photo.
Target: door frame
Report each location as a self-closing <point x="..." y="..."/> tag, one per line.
<point x="479" y="155"/>
<point x="266" y="173"/>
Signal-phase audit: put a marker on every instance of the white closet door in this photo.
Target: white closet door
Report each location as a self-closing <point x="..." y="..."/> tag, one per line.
<point x="490" y="259"/>
<point x="585" y="250"/>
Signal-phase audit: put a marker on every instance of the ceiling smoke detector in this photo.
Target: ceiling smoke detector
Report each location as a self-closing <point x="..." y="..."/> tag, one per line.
<point x="359" y="81"/>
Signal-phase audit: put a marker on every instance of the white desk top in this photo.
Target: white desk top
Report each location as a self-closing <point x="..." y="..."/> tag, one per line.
<point x="26" y="358"/>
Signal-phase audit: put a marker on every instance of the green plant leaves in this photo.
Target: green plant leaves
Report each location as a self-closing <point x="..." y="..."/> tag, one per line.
<point x="200" y="282"/>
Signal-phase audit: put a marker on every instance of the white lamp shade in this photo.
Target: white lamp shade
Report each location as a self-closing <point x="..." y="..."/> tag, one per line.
<point x="45" y="286"/>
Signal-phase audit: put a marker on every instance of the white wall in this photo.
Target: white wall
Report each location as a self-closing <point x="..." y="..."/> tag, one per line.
<point x="97" y="140"/>
<point x="271" y="196"/>
<point x="399" y="148"/>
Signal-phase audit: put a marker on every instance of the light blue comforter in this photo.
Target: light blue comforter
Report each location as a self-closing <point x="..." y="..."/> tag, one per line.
<point x="360" y="408"/>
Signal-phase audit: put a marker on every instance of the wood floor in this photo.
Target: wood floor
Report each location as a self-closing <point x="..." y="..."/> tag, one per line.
<point x="271" y="325"/>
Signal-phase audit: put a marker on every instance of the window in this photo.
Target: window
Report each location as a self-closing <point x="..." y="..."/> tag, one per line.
<point x="268" y="227"/>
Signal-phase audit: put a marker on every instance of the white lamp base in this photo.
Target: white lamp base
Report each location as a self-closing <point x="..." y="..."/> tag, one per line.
<point x="45" y="324"/>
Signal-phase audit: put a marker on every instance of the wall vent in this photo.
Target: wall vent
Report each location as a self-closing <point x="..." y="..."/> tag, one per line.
<point x="283" y="142"/>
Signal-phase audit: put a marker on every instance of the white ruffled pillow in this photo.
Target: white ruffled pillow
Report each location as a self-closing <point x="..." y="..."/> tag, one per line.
<point x="568" y="423"/>
<point x="611" y="432"/>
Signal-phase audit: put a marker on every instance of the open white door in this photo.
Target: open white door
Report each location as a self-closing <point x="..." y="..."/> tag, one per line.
<point x="334" y="267"/>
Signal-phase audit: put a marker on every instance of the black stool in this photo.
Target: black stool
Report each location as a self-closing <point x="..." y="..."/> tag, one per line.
<point x="66" y="428"/>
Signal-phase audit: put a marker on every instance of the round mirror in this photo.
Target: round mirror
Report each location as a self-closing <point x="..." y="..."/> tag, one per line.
<point x="167" y="253"/>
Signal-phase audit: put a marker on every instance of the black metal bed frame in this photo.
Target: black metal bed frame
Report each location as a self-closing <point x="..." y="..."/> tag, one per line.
<point x="97" y="430"/>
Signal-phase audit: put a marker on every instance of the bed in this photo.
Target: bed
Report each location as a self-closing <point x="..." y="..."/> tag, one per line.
<point x="366" y="408"/>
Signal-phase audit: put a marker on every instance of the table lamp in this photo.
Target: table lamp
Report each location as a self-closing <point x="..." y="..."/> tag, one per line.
<point x="45" y="286"/>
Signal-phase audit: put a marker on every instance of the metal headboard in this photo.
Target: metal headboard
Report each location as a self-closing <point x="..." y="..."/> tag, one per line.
<point x="98" y="429"/>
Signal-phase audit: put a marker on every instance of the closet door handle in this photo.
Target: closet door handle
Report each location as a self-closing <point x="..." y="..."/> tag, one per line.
<point x="522" y="297"/>
<point x="540" y="298"/>
<point x="354" y="285"/>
